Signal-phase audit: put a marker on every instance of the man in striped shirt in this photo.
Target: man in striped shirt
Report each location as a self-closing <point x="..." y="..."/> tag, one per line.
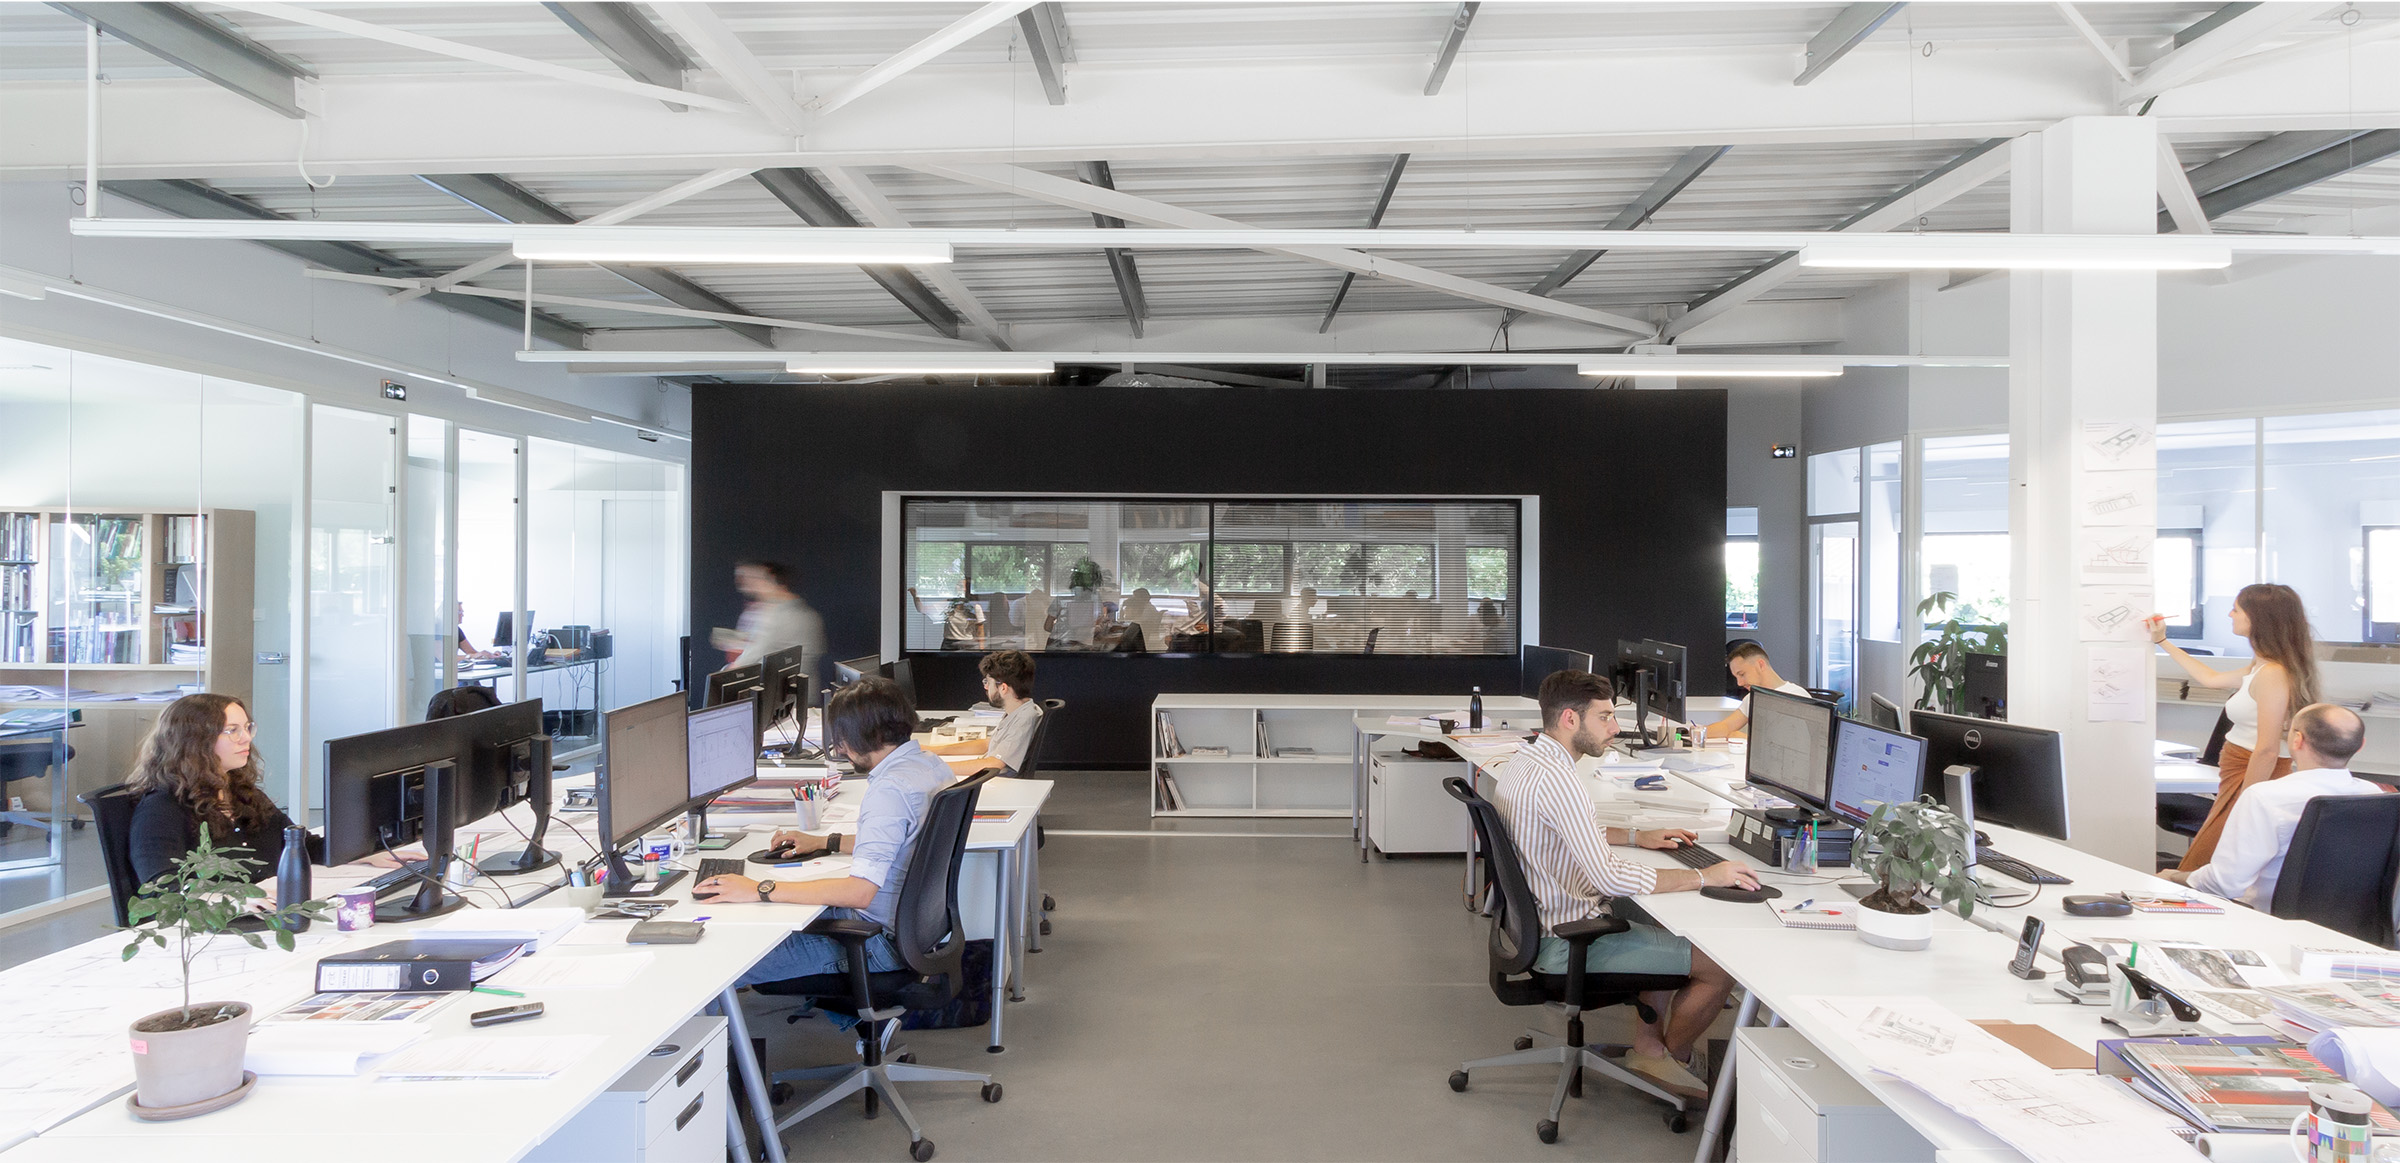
<point x="1573" y="873"/>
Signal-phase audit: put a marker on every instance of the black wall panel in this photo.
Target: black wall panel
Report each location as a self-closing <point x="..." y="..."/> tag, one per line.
<point x="1632" y="488"/>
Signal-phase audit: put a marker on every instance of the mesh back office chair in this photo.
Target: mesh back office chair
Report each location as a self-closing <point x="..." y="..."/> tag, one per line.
<point x="2342" y="865"/>
<point x="1516" y="941"/>
<point x="1033" y="768"/>
<point x="112" y="817"/>
<point x="932" y="944"/>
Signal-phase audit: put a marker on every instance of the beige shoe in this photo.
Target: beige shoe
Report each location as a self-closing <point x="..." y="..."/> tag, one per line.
<point x="1670" y="1075"/>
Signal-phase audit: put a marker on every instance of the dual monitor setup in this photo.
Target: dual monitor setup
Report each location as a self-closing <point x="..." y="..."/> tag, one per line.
<point x="1649" y="674"/>
<point x="2004" y="773"/>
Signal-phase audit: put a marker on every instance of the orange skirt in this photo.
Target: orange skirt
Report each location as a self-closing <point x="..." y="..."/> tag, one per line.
<point x="2232" y="763"/>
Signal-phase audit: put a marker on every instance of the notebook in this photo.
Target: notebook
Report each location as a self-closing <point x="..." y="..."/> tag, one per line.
<point x="1820" y="914"/>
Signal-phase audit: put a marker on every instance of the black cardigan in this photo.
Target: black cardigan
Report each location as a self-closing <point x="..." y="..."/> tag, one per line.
<point x="164" y="830"/>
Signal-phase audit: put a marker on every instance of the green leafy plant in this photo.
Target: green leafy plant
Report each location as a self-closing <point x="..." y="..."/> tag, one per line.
<point x="201" y="900"/>
<point x="1940" y="662"/>
<point x="1914" y="850"/>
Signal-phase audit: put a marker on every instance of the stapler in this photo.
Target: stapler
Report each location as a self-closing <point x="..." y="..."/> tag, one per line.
<point x="2143" y="1008"/>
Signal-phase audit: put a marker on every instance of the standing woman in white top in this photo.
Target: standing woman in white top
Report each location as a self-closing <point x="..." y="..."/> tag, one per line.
<point x="2280" y="678"/>
<point x="1008" y="683"/>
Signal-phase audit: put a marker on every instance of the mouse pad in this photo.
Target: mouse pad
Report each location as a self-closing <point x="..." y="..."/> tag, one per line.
<point x="1747" y="896"/>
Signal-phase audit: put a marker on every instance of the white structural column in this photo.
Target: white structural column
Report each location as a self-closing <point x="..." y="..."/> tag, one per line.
<point x="2083" y="348"/>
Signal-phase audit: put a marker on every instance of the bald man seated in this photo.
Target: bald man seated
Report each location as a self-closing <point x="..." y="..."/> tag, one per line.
<point x="2249" y="856"/>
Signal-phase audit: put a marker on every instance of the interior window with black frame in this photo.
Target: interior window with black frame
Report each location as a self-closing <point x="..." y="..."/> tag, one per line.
<point x="1188" y="576"/>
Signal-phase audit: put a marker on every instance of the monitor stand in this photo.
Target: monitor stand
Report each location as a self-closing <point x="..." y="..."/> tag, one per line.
<point x="1958" y="790"/>
<point x="441" y="838"/>
<point x="531" y="759"/>
<point x="624" y="882"/>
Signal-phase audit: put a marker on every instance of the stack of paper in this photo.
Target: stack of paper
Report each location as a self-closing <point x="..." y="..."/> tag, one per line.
<point x="2317" y="1006"/>
<point x="2222" y="1085"/>
<point x="334" y="1048"/>
<point x="538" y="928"/>
<point x="478" y="1057"/>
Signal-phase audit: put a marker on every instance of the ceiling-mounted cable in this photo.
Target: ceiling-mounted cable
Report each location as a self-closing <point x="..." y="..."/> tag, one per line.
<point x="301" y="162"/>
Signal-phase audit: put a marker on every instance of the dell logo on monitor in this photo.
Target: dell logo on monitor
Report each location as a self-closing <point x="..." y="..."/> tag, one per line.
<point x="1974" y="739"/>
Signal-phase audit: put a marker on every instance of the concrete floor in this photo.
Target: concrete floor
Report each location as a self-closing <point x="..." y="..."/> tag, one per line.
<point x="1233" y="998"/>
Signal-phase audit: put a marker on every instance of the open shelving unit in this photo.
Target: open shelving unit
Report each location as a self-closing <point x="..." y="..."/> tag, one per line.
<point x="1251" y="779"/>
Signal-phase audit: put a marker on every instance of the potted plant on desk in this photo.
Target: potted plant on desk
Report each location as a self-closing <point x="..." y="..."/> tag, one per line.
<point x="1917" y="853"/>
<point x="188" y="1060"/>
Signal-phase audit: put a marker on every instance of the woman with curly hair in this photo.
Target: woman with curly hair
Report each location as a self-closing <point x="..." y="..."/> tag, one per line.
<point x="198" y="767"/>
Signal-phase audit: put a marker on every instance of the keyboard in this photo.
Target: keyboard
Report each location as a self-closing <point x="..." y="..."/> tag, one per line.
<point x="930" y="724"/>
<point x="1694" y="856"/>
<point x="717" y="867"/>
<point x="406" y="873"/>
<point x="2015" y="869"/>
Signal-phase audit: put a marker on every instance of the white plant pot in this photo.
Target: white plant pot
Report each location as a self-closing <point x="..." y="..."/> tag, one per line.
<point x="182" y="1068"/>
<point x="1903" y="931"/>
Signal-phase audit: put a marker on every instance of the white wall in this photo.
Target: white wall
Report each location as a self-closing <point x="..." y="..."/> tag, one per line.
<point x="1758" y="416"/>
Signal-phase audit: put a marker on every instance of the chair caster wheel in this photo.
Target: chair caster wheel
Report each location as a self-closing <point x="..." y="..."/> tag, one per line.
<point x="1045" y="928"/>
<point x="921" y="1150"/>
<point x="77" y="824"/>
<point x="874" y="1102"/>
<point x="1523" y="1043"/>
<point x="1458" y="1081"/>
<point x="779" y="1094"/>
<point x="1049" y="903"/>
<point x="1546" y="1130"/>
<point x="906" y="1056"/>
<point x="1678" y="1122"/>
<point x="991" y="1092"/>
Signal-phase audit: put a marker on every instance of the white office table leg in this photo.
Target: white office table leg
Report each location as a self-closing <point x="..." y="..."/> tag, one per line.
<point x="1358" y="789"/>
<point x="1029" y="860"/>
<point x="737" y="1143"/>
<point x="1020" y="937"/>
<point x="1001" y="967"/>
<point x="1720" y="1096"/>
<point x="754" y="1076"/>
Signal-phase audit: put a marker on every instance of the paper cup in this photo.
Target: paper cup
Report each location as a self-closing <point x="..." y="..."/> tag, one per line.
<point x="354" y="909"/>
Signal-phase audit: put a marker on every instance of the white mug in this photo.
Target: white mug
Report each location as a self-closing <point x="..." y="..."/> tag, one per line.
<point x="2335" y="1127"/>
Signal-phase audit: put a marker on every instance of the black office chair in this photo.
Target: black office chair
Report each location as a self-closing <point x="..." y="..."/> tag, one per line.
<point x="1033" y="768"/>
<point x="1372" y="635"/>
<point x="25" y="760"/>
<point x="2342" y="865"/>
<point x="112" y="819"/>
<point x="2182" y="812"/>
<point x="932" y="943"/>
<point x="1516" y="941"/>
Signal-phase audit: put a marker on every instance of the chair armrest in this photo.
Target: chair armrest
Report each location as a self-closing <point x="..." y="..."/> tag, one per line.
<point x="850" y="931"/>
<point x="1586" y="931"/>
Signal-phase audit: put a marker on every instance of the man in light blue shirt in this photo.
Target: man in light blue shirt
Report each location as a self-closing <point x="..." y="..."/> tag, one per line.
<point x="867" y="723"/>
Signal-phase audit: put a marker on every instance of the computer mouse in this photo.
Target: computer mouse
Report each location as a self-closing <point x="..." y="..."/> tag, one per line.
<point x="699" y="895"/>
<point x="1742" y="896"/>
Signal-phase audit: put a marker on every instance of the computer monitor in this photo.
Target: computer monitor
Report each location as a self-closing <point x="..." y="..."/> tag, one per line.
<point x="504" y="633"/>
<point x="508" y="763"/>
<point x="789" y="690"/>
<point x="718" y="756"/>
<point x="1872" y="766"/>
<point x="1884" y="713"/>
<point x="735" y="683"/>
<point x="2020" y="777"/>
<point x="1650" y="675"/>
<point x="904" y="676"/>
<point x="644" y="781"/>
<point x="850" y="670"/>
<point x="386" y="789"/>
<point x="1535" y="663"/>
<point x="1791" y="747"/>
<point x="1986" y="689"/>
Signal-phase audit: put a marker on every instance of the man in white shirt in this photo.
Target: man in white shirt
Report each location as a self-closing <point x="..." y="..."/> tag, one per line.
<point x="1008" y="683"/>
<point x="2249" y="856"/>
<point x="777" y="618"/>
<point x="1749" y="665"/>
<point x="1573" y="873"/>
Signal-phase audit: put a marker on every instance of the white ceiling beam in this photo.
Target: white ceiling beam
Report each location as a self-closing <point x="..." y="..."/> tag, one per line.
<point x="1849" y="28"/>
<point x="2195" y="59"/>
<point x="724" y="53"/>
<point x="1093" y="199"/>
<point x="1960" y="176"/>
<point x="1447" y="55"/>
<point x="879" y="210"/>
<point x="1044" y="28"/>
<point x="634" y="209"/>
<point x="901" y="63"/>
<point x="483" y="56"/>
<point x="2175" y="191"/>
<point x="541" y="298"/>
<point x="397" y="125"/>
<point x="1204" y="358"/>
<point x="2099" y="43"/>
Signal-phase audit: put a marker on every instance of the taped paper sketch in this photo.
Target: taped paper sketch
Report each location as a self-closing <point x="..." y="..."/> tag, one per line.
<point x="2127" y="498"/>
<point x="2114" y="556"/>
<point x="2119" y="444"/>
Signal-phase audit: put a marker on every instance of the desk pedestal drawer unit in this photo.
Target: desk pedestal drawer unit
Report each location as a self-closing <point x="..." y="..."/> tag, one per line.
<point x="1407" y="810"/>
<point x="669" y="1108"/>
<point x="1797" y="1106"/>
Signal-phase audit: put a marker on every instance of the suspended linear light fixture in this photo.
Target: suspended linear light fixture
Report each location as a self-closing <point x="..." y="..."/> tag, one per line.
<point x="646" y="247"/>
<point x="2005" y="253"/>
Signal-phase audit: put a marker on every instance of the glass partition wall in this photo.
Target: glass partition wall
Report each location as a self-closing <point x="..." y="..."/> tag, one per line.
<point x="1177" y="575"/>
<point x="164" y="532"/>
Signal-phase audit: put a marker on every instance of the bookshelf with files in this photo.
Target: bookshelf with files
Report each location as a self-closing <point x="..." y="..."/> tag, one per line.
<point x="116" y="611"/>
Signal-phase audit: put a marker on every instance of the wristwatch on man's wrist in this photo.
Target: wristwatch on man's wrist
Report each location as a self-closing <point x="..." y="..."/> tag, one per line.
<point x="766" y="890"/>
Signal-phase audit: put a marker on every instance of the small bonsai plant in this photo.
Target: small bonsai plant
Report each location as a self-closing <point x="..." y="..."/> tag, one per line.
<point x="1917" y="853"/>
<point x="201" y="900"/>
<point x="1940" y="662"/>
